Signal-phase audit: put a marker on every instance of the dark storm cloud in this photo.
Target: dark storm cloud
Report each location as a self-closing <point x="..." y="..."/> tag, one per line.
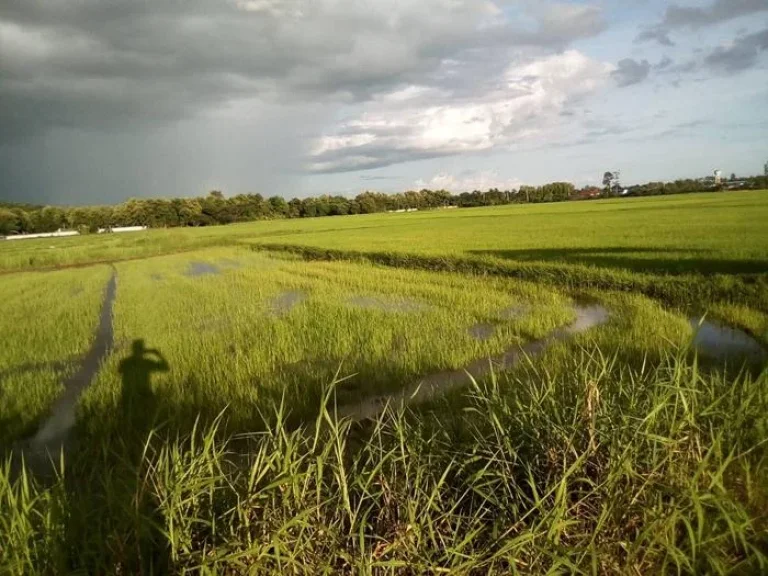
<point x="742" y="54"/>
<point x="631" y="72"/>
<point x="370" y="156"/>
<point x="655" y="34"/>
<point x="101" y="63"/>
<point x="677" y="17"/>
<point x="719" y="11"/>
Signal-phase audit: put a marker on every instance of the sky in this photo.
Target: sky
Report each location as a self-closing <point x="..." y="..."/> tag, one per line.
<point x="103" y="100"/>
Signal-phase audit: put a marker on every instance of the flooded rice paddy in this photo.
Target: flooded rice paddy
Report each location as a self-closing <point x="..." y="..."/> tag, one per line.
<point x="721" y="342"/>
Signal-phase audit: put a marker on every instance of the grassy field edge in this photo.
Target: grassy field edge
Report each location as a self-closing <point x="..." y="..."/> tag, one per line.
<point x="676" y="290"/>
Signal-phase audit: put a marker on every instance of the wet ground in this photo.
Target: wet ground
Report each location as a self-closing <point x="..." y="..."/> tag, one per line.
<point x="54" y="431"/>
<point x="481" y="331"/>
<point x="710" y="339"/>
<point x="435" y="385"/>
<point x="721" y="342"/>
<point x="197" y="269"/>
<point x="286" y="301"/>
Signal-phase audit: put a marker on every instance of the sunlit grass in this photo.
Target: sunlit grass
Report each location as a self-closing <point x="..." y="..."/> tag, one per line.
<point x="227" y="344"/>
<point x="583" y="465"/>
<point x="617" y="451"/>
<point x="706" y="233"/>
<point x="47" y="323"/>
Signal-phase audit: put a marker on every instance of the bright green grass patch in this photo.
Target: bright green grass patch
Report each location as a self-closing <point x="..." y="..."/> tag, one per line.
<point x="69" y="251"/>
<point x="705" y="233"/>
<point x="230" y="339"/>
<point x="48" y="321"/>
<point x="584" y="466"/>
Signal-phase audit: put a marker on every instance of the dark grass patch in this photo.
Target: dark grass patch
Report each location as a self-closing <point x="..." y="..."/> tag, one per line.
<point x="286" y="301"/>
<point x="481" y="331"/>
<point x="672" y="289"/>
<point x="197" y="269"/>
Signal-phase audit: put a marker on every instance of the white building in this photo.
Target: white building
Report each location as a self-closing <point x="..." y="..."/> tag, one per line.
<point x="118" y="229"/>
<point x="57" y="234"/>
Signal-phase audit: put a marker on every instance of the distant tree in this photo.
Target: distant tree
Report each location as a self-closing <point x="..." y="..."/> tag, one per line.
<point x="51" y="218"/>
<point x="294" y="208"/>
<point x="367" y="203"/>
<point x="733" y="177"/>
<point x="279" y="205"/>
<point x="526" y="192"/>
<point x="557" y="191"/>
<point x="9" y="222"/>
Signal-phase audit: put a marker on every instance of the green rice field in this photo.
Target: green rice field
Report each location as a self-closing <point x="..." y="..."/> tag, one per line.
<point x="573" y="388"/>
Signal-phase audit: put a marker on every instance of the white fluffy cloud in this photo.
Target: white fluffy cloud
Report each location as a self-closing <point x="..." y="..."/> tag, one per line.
<point x="422" y="122"/>
<point x="468" y="181"/>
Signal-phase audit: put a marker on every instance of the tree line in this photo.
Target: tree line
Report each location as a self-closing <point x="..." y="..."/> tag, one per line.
<point x="215" y="208"/>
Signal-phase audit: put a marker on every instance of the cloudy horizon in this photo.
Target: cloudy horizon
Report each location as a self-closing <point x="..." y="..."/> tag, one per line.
<point x="102" y="100"/>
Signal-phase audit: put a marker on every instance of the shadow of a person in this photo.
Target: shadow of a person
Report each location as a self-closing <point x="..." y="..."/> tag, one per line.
<point x="136" y="371"/>
<point x="110" y="492"/>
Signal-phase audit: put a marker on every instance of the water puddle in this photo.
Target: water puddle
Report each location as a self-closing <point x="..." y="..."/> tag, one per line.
<point x="481" y="331"/>
<point x="197" y="269"/>
<point x="723" y="343"/>
<point x="54" y="431"/>
<point x="286" y="301"/>
<point x="435" y="385"/>
<point x="387" y="306"/>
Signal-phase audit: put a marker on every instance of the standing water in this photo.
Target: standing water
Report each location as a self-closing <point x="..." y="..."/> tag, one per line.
<point x="55" y="430"/>
<point x="724" y="343"/>
<point x="435" y="385"/>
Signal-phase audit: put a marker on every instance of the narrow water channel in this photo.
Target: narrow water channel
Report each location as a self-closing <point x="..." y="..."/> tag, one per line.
<point x="435" y="385"/>
<point x="54" y="431"/>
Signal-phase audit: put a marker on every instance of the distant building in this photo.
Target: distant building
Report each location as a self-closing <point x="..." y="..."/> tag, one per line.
<point x="718" y="177"/>
<point x="587" y="193"/>
<point x="57" y="234"/>
<point x="735" y="184"/>
<point x="119" y="229"/>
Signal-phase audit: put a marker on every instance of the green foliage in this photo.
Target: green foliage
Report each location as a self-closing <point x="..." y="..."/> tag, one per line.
<point x="582" y="467"/>
<point x="617" y="452"/>
<point x="9" y="222"/>
<point x="47" y="325"/>
<point x="229" y="341"/>
<point x="216" y="209"/>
